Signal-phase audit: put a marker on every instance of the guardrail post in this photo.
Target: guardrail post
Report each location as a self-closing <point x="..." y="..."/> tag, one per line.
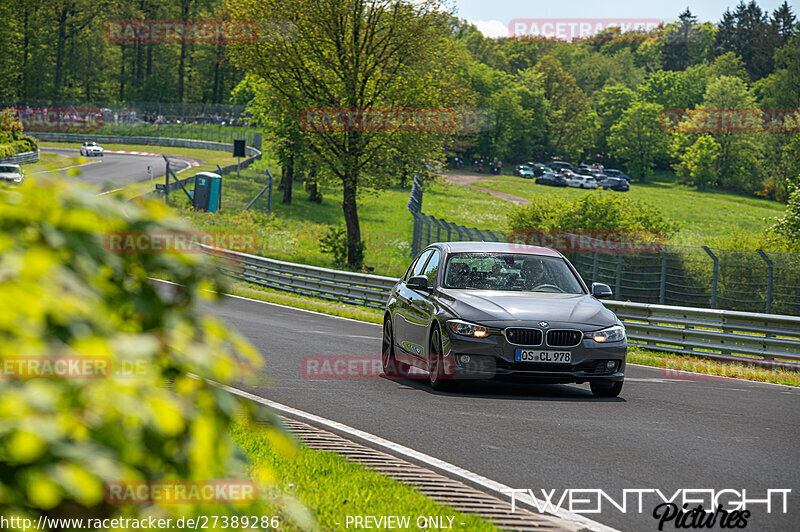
<point x="714" y="278"/>
<point x="662" y="291"/>
<point x="595" y="267"/>
<point x="618" y="283"/>
<point x="770" y="271"/>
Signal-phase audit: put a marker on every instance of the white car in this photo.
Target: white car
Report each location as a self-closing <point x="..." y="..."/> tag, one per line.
<point x="91" y="149"/>
<point x="581" y="181"/>
<point x="11" y="172"/>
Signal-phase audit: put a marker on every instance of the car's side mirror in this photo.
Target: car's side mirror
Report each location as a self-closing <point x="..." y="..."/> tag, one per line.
<point x="418" y="282"/>
<point x="601" y="291"/>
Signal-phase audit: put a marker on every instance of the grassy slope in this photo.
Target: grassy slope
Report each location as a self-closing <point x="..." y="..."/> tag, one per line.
<point x="717" y="218"/>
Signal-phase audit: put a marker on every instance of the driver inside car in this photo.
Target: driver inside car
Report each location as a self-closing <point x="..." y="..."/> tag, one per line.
<point x="532" y="273"/>
<point x="460" y="275"/>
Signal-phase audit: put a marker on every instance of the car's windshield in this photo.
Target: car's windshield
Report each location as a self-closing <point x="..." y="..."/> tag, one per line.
<point x="8" y="169"/>
<point x="510" y="272"/>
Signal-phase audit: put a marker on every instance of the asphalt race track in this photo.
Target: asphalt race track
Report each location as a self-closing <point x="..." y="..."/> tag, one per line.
<point x="666" y="431"/>
<point x="115" y="170"/>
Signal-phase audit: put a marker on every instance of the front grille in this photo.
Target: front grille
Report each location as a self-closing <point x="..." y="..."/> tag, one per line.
<point x="520" y="336"/>
<point x="564" y="338"/>
<point x="534" y="366"/>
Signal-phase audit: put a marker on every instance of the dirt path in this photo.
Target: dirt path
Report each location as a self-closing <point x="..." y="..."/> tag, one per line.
<point x="463" y="179"/>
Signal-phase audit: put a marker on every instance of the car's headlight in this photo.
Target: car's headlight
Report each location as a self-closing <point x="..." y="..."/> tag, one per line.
<point x="464" y="328"/>
<point x="611" y="334"/>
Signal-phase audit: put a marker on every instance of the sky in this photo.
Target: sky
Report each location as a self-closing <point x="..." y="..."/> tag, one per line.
<point x="492" y="17"/>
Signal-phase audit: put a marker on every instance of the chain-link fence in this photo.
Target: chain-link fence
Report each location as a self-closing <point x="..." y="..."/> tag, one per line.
<point x="747" y="280"/>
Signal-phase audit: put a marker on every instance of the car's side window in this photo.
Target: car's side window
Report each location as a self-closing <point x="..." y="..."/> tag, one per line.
<point x="432" y="268"/>
<point x="417" y="268"/>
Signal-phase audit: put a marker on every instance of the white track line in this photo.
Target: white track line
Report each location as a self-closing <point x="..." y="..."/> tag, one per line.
<point x="500" y="490"/>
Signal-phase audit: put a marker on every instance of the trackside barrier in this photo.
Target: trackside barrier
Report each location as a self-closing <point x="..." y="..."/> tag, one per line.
<point x="26" y="157"/>
<point x="771" y="340"/>
<point x="348" y="287"/>
<point x="252" y="153"/>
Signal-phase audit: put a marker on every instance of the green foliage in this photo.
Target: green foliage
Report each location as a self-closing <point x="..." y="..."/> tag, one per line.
<point x="605" y="211"/>
<point x="12" y="141"/>
<point x="698" y="164"/>
<point x="638" y="138"/>
<point x="336" y="242"/>
<point x="786" y="229"/>
<point x="64" y="294"/>
<point x="571" y="121"/>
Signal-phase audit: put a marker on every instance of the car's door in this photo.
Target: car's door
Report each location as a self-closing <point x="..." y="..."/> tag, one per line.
<point x="421" y="307"/>
<point x="402" y="312"/>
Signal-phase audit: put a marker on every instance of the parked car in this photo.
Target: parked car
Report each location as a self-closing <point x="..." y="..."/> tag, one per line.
<point x="525" y="171"/>
<point x="612" y="172"/>
<point x="561" y="165"/>
<point x="581" y="181"/>
<point x="91" y="149"/>
<point x="11" y="173"/>
<point x="615" y="183"/>
<point x="551" y="178"/>
<point x="539" y="168"/>
<point x="490" y="310"/>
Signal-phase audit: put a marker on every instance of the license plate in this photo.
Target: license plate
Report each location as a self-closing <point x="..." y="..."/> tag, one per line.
<point x="528" y="355"/>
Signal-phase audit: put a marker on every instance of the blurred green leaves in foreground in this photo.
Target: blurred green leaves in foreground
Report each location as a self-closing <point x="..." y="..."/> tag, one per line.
<point x="63" y="294"/>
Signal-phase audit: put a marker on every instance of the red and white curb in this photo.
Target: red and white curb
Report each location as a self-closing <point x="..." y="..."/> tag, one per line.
<point x="146" y="153"/>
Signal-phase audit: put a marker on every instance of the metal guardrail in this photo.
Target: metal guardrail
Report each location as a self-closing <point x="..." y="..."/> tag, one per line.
<point x="47" y="136"/>
<point x="21" y="158"/>
<point x="763" y="339"/>
<point x="348" y="287"/>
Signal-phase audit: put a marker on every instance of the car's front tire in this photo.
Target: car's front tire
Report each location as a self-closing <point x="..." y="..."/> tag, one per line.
<point x="604" y="390"/>
<point x="440" y="380"/>
<point x="391" y="367"/>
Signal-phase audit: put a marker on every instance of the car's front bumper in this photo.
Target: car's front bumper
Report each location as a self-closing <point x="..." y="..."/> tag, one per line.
<point x="493" y="357"/>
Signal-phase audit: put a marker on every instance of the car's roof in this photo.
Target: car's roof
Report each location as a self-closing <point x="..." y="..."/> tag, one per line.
<point x="496" y="247"/>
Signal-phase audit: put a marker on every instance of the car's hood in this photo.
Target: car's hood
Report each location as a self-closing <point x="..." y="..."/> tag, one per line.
<point x="490" y="307"/>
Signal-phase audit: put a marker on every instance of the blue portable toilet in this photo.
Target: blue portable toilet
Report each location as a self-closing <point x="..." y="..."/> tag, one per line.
<point x="207" y="192"/>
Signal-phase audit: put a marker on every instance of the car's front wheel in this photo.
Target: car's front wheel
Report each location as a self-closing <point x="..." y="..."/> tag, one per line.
<point x="604" y="390"/>
<point x="391" y="367"/>
<point x="440" y="380"/>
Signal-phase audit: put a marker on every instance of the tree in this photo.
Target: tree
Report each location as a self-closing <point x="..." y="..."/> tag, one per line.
<point x="613" y="101"/>
<point x="638" y="138"/>
<point x="698" y="164"/>
<point x="571" y="121"/>
<point x="355" y="56"/>
<point x="787" y="227"/>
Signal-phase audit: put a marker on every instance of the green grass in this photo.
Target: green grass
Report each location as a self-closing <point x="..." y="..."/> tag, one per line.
<point x="714" y="218"/>
<point x="52" y="162"/>
<point x="294" y="231"/>
<point x="736" y="370"/>
<point x="333" y="488"/>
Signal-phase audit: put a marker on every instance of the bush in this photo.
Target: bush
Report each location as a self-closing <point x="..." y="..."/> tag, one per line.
<point x="786" y="229"/>
<point x="604" y="211"/>
<point x="335" y="241"/>
<point x="64" y="294"/>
